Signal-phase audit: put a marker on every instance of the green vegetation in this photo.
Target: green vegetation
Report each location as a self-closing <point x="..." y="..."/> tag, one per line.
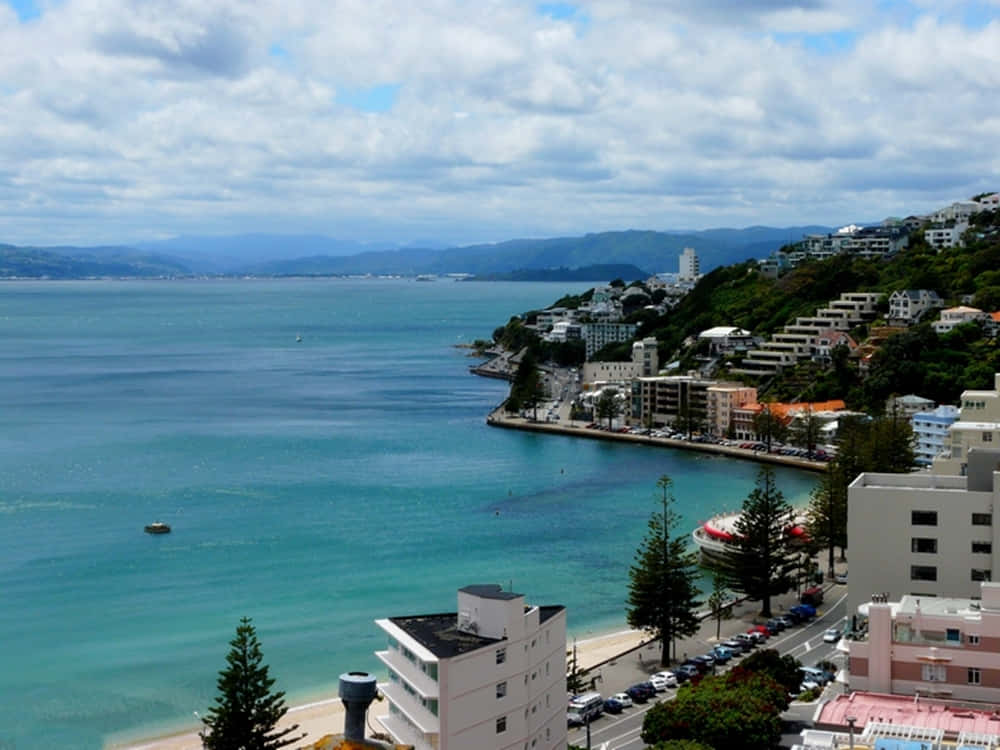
<point x="246" y="712"/>
<point x="738" y="709"/>
<point x="762" y="562"/>
<point x="608" y="406"/>
<point x="782" y="669"/>
<point x="662" y="590"/>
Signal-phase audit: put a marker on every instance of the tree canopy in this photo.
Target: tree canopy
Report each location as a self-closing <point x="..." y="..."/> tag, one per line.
<point x="246" y="711"/>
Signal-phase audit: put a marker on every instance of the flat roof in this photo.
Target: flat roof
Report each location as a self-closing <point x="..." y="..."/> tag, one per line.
<point x="905" y="710"/>
<point x="489" y="591"/>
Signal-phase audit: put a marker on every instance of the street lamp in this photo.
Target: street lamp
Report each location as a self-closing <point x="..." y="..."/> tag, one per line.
<point x="851" y="721"/>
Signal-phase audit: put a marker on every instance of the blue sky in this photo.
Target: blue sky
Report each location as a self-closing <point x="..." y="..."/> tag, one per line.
<point x="393" y="122"/>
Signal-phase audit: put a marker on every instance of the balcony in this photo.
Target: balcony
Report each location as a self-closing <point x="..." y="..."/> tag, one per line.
<point x="423" y="684"/>
<point x="407" y="705"/>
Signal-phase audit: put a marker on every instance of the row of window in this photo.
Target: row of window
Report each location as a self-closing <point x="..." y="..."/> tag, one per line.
<point x="930" y="518"/>
<point x="938" y="673"/>
<point x="925" y="545"/>
<point x="929" y="573"/>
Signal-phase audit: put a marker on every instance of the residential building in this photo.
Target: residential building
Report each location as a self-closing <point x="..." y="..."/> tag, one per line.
<point x="545" y="319"/>
<point x="721" y="401"/>
<point x="564" y="330"/>
<point x="491" y="676"/>
<point x="989" y="202"/>
<point x="743" y="417"/>
<point x="798" y="341"/>
<point x="924" y="534"/>
<point x="878" y="242"/>
<point x="959" y="211"/>
<point x="956" y="316"/>
<point x="930" y="432"/>
<point x="723" y="339"/>
<point x="667" y="399"/>
<point x="906" y="306"/>
<point x="941" y="237"/>
<point x="945" y="647"/>
<point x="599" y="335"/>
<point x="828" y="340"/>
<point x="978" y="426"/>
<point x="644" y="363"/>
<point x="908" y="405"/>
<point x="689" y="267"/>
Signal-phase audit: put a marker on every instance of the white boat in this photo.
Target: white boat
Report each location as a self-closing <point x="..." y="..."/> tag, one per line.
<point x="717" y="536"/>
<point x="157" y="527"/>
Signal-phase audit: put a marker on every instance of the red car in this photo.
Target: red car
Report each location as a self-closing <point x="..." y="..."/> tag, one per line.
<point x="762" y="629"/>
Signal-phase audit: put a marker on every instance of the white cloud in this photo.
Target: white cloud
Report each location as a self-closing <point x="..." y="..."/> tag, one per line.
<point x="128" y="120"/>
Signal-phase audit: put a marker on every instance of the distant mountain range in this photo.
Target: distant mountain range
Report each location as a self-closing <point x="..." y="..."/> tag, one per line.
<point x="560" y="258"/>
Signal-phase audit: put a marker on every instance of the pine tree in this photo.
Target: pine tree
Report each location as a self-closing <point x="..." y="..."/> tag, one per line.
<point x="246" y="712"/>
<point x="762" y="562"/>
<point x="662" y="592"/>
<point x="608" y="406"/>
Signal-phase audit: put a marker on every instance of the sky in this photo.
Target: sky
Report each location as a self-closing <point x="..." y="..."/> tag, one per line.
<point x="465" y="121"/>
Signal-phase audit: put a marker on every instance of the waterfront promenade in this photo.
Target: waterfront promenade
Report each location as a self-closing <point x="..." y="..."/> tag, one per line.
<point x="498" y="418"/>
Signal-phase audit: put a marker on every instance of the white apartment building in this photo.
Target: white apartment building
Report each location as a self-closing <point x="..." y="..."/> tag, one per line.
<point x="955" y="316"/>
<point x="599" y="335"/>
<point x="689" y="266"/>
<point x="723" y="339"/>
<point x="645" y="362"/>
<point x="978" y="426"/>
<point x="944" y="237"/>
<point x="931" y="647"/>
<point x="491" y="676"/>
<point x="906" y="306"/>
<point x="957" y="211"/>
<point x="930" y="432"/>
<point x="922" y="534"/>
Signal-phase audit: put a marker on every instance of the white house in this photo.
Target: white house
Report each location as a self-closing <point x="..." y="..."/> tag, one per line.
<point x="956" y="316"/>
<point x="727" y="339"/>
<point x="946" y="236"/>
<point x="906" y="306"/>
<point x="491" y="676"/>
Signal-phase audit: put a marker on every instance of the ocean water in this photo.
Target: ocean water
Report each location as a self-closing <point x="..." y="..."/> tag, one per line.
<point x="313" y="486"/>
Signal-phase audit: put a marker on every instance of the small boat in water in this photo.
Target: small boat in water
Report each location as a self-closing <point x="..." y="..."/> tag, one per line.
<point x="157" y="527"/>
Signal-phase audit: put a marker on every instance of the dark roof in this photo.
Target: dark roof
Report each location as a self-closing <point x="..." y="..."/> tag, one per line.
<point x="489" y="591"/>
<point x="440" y="635"/>
<point x="544" y="613"/>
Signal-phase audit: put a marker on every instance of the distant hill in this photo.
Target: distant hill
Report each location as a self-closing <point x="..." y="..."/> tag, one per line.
<point x="79" y="263"/>
<point x="280" y="255"/>
<point x="601" y="273"/>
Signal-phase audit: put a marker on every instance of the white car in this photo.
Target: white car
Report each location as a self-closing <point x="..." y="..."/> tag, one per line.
<point x="668" y="677"/>
<point x="658" y="683"/>
<point x="832" y="635"/>
<point x="841" y="578"/>
<point x="623" y="699"/>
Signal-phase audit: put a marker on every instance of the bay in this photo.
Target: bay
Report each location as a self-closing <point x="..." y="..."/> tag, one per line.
<point x="313" y="485"/>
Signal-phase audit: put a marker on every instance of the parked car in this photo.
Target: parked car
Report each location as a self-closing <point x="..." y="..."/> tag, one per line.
<point x="613" y="706"/>
<point x="832" y="635"/>
<point x="760" y="629"/>
<point x="659" y="684"/>
<point x="815" y="674"/>
<point x="723" y="654"/>
<point x="756" y="637"/>
<point x="624" y="699"/>
<point x="804" y="611"/>
<point x="747" y="639"/>
<point x="738" y="647"/>
<point x="787" y="620"/>
<point x="667" y="676"/>
<point x="638" y="693"/>
<point x="689" y="669"/>
<point x="841" y="578"/>
<point x="775" y="625"/>
<point x="705" y="659"/>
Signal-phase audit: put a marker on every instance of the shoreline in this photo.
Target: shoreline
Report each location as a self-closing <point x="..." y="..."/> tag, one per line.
<point x="496" y="418"/>
<point x="325" y="714"/>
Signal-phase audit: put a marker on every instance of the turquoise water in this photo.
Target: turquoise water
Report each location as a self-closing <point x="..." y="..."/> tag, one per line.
<point x="312" y="485"/>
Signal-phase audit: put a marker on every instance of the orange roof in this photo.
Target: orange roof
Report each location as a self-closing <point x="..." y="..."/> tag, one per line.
<point x="995" y="316"/>
<point x="787" y="411"/>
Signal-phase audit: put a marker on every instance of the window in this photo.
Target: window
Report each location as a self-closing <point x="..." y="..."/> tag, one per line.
<point x="975" y="676"/>
<point x="923" y="517"/>
<point x="933" y="673"/>
<point x="987" y="437"/>
<point x="501" y="689"/>
<point x="920" y="544"/>
<point x="953" y="635"/>
<point x="923" y="573"/>
<point x="501" y="725"/>
<point x="985" y="548"/>
<point x="982" y="519"/>
<point x="501" y="655"/>
<point x="979" y="574"/>
<point x="972" y="639"/>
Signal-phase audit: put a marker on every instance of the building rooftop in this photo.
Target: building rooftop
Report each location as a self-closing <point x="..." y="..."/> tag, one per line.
<point x="490" y="591"/>
<point x="440" y="635"/>
<point x="909" y="711"/>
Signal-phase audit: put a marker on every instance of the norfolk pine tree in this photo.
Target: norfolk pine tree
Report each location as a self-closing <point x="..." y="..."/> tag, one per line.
<point x="761" y="562"/>
<point x="246" y="712"/>
<point x="662" y="592"/>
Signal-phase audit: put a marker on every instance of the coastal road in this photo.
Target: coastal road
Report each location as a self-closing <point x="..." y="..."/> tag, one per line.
<point x="804" y="643"/>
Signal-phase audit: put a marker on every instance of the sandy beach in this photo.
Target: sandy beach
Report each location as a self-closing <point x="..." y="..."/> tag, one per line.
<point x="326" y="716"/>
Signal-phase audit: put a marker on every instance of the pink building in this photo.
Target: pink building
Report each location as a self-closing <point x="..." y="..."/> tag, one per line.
<point x="930" y="646"/>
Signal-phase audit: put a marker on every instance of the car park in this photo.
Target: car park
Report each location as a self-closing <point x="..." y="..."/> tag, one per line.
<point x="624" y="699"/>
<point x="669" y="677"/>
<point x="831" y="635"/>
